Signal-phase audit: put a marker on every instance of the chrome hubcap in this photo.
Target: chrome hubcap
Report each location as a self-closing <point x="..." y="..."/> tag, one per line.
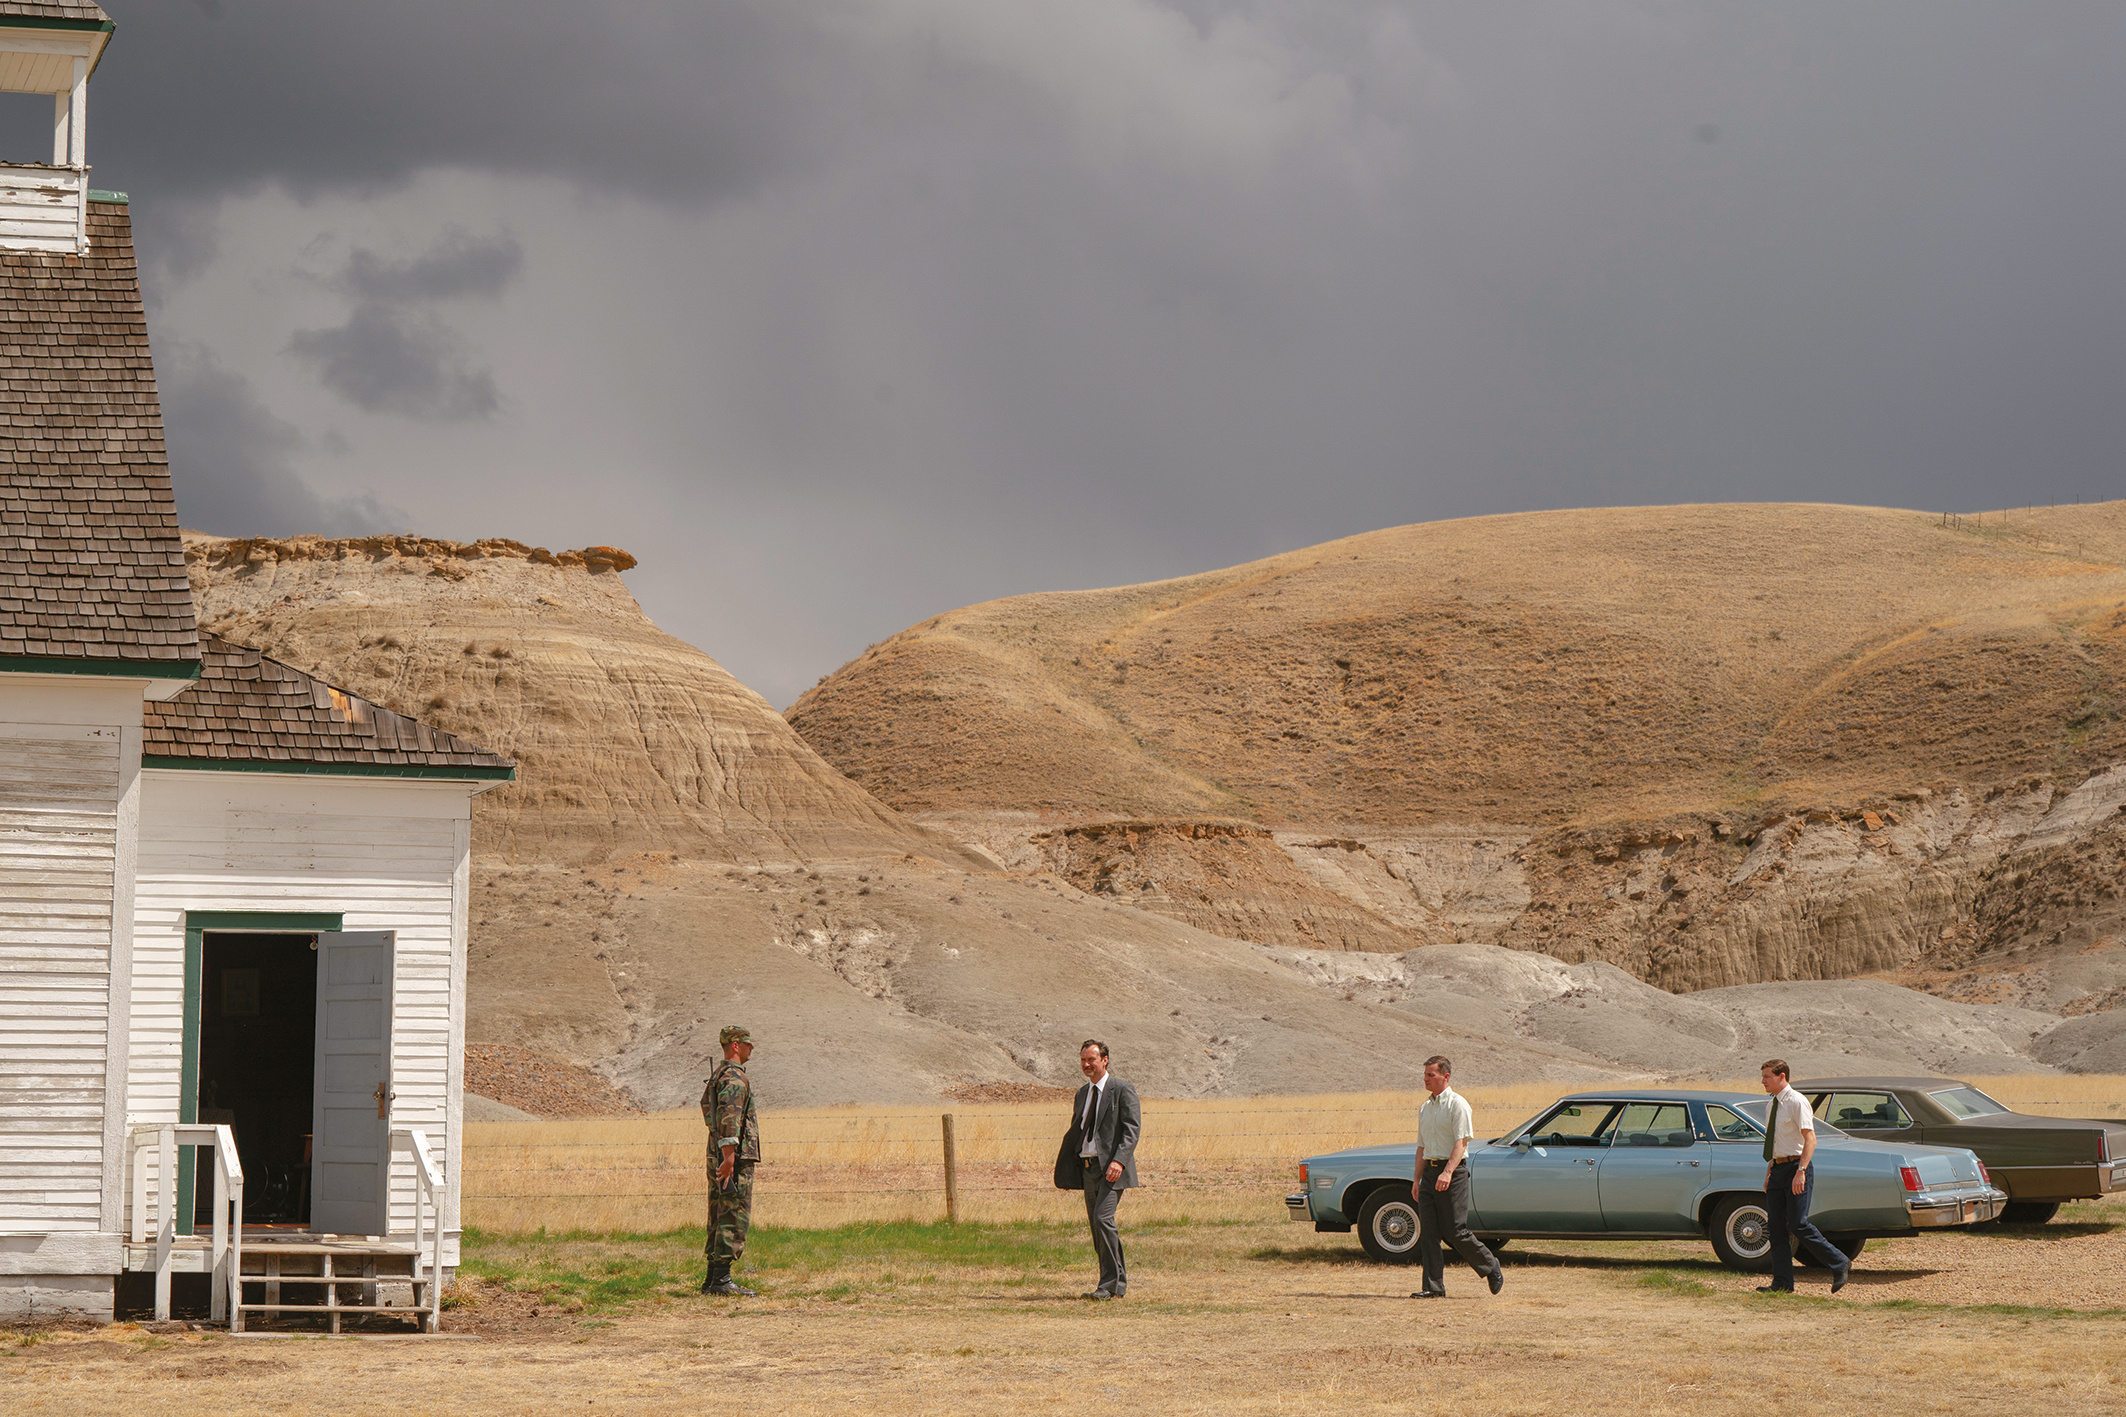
<point x="1395" y="1226"/>
<point x="1746" y="1232"/>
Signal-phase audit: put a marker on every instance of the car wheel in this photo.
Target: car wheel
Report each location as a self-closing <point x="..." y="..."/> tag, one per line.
<point x="1494" y="1244"/>
<point x="1387" y="1226"/>
<point x="1740" y="1234"/>
<point x="2029" y="1212"/>
<point x="1848" y="1245"/>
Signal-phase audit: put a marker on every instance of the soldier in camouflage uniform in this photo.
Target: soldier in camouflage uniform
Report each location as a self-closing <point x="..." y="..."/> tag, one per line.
<point x="734" y="1149"/>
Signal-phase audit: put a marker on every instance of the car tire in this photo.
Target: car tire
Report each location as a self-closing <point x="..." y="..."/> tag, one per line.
<point x="1387" y="1225"/>
<point x="1740" y="1234"/>
<point x="2029" y="1212"/>
<point x="1494" y="1244"/>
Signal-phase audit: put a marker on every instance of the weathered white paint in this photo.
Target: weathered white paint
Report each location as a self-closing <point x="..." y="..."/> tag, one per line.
<point x="69" y="755"/>
<point x="47" y="208"/>
<point x="386" y="854"/>
<point x="41" y="207"/>
<point x="42" y="61"/>
<point x="56" y="1296"/>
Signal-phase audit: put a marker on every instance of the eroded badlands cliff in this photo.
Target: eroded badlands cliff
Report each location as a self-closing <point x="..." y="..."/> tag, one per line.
<point x="1290" y="827"/>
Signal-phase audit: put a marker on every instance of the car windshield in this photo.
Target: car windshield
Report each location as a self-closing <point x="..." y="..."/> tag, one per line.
<point x="1964" y="1103"/>
<point x="1572" y="1124"/>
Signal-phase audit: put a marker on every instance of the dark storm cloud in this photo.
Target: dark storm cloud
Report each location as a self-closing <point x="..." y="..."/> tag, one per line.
<point x="394" y="355"/>
<point x="1114" y="289"/>
<point x="384" y="361"/>
<point x="658" y="97"/>
<point x="236" y="459"/>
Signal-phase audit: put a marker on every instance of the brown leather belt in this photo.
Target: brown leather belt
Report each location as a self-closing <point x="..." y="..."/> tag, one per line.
<point x="1783" y="1160"/>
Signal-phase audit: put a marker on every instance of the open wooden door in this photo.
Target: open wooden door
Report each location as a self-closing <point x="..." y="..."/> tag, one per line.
<point x="350" y="1130"/>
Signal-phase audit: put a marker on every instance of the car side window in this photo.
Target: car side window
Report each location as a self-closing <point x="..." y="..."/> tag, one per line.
<point x="1573" y="1124"/>
<point x="1732" y="1126"/>
<point x="1655" y="1124"/>
<point x="1862" y="1111"/>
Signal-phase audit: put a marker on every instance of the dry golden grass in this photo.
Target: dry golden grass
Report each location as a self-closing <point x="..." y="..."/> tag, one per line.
<point x="1218" y="1159"/>
<point x="1256" y="1317"/>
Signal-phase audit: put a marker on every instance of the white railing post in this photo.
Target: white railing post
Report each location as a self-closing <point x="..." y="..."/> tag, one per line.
<point x="165" y="1216"/>
<point x="138" y="1141"/>
<point x="427" y="1221"/>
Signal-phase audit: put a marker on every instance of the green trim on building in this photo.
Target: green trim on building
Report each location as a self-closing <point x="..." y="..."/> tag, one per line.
<point x="400" y="770"/>
<point x="197" y="923"/>
<point x="54" y="22"/>
<point x="99" y="194"/>
<point x="110" y="668"/>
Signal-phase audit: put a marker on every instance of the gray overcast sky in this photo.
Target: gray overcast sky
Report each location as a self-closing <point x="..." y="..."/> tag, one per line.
<point x="839" y="313"/>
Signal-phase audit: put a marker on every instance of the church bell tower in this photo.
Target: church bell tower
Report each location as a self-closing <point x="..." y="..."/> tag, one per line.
<point x="50" y="46"/>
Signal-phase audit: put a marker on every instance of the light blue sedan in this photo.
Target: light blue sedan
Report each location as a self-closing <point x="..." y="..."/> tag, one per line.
<point x="1650" y="1165"/>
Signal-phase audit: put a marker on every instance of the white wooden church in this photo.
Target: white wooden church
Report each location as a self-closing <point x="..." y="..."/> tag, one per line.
<point x="233" y="899"/>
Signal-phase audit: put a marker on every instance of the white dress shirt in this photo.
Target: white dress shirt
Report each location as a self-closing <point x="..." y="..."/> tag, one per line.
<point x="1790" y="1117"/>
<point x="1444" y="1120"/>
<point x="1087" y="1146"/>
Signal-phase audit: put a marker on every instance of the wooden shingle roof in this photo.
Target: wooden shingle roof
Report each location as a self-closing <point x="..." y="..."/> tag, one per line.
<point x="91" y="568"/>
<point x="55" y="10"/>
<point x="253" y="712"/>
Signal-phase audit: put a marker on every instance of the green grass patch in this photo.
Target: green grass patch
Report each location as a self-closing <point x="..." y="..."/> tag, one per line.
<point x="599" y="1272"/>
<point x="1669" y="1282"/>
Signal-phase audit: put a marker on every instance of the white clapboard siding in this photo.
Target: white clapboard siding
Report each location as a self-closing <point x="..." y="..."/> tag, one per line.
<point x="384" y="855"/>
<point x="40" y="208"/>
<point x="59" y="791"/>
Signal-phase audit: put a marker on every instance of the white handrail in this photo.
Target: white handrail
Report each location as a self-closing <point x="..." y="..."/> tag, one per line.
<point x="227" y="1246"/>
<point x="427" y="1218"/>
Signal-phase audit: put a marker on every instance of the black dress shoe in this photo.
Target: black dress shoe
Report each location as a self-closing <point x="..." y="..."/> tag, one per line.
<point x="1497" y="1279"/>
<point x="1429" y="1294"/>
<point x="1773" y="1289"/>
<point x="1839" y="1278"/>
<point x="1097" y="1294"/>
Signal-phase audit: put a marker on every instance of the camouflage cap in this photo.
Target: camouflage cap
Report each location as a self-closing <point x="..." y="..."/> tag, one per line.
<point x="732" y="1033"/>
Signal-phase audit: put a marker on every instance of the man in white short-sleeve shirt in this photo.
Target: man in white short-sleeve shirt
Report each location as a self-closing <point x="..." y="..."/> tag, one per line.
<point x="1790" y="1182"/>
<point x="1439" y="1183"/>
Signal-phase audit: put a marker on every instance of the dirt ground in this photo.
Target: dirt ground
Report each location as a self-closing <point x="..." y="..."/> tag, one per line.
<point x="1255" y="1317"/>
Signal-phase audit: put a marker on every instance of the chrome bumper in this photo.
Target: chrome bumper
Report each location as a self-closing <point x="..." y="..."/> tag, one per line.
<point x="1296" y="1207"/>
<point x="1936" y="1209"/>
<point x="2112" y="1177"/>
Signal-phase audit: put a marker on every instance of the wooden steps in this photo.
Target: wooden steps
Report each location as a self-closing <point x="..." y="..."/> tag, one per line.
<point x="348" y="1272"/>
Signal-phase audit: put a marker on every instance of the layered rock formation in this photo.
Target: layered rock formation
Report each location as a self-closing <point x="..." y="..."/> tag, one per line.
<point x="1338" y="898"/>
<point x="1709" y="745"/>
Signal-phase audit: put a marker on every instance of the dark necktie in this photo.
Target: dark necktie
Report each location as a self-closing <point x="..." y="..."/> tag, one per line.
<point x="1092" y="1106"/>
<point x="1771" y="1125"/>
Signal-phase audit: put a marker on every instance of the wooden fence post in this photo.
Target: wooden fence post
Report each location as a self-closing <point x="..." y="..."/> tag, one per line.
<point x="952" y="1176"/>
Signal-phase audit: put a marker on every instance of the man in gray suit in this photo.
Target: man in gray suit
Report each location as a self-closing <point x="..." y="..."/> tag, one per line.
<point x="1099" y="1156"/>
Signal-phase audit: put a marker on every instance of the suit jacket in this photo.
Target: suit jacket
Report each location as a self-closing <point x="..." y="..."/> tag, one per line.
<point x="1115" y="1132"/>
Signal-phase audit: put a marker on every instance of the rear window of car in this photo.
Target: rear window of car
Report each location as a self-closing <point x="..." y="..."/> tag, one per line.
<point x="1964" y="1103"/>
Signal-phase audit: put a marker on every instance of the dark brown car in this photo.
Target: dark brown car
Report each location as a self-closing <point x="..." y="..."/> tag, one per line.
<point x="2038" y="1161"/>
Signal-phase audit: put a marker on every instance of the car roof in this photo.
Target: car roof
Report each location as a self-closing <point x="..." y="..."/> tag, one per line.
<point x="1838" y="1083"/>
<point x="1674" y="1094"/>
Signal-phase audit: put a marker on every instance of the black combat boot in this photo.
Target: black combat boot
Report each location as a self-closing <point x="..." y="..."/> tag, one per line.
<point x="719" y="1282"/>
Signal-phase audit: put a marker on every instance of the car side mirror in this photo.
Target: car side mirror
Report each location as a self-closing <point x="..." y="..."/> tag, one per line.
<point x="1521" y="1146"/>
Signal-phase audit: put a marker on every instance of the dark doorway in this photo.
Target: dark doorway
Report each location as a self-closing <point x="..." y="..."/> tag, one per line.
<point x="257" y="1051"/>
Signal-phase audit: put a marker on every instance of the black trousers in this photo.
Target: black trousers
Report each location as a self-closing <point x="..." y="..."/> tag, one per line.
<point x="1100" y="1202"/>
<point x="1443" y="1217"/>
<point x="1788" y="1225"/>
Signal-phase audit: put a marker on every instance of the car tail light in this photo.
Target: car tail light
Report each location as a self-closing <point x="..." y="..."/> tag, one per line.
<point x="1983" y="1174"/>
<point x="1911" y="1175"/>
<point x="1302" y="1175"/>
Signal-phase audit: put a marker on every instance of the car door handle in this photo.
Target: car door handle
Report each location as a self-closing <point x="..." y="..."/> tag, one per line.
<point x="1686" y="1163"/>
